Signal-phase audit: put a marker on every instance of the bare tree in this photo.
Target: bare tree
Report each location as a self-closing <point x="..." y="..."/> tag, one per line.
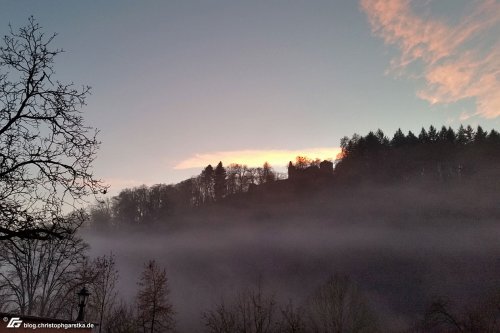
<point x="4" y="297"/>
<point x="41" y="276"/>
<point x="268" y="174"/>
<point x="46" y="150"/>
<point x="302" y="162"/>
<point x="251" y="312"/>
<point x="338" y="307"/>
<point x="335" y="307"/>
<point x="442" y="316"/>
<point x="101" y="215"/>
<point x="103" y="288"/>
<point x="220" y="320"/>
<point x="292" y="320"/>
<point x="121" y="320"/>
<point x="155" y="313"/>
<point x="439" y="318"/>
<point x="238" y="178"/>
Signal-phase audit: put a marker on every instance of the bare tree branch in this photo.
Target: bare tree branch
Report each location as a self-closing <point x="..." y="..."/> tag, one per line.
<point x="46" y="150"/>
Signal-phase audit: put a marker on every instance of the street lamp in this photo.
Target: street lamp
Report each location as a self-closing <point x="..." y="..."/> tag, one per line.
<point x="83" y="296"/>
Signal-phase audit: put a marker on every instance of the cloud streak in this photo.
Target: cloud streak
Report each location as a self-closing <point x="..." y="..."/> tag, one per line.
<point x="254" y="158"/>
<point x="458" y="62"/>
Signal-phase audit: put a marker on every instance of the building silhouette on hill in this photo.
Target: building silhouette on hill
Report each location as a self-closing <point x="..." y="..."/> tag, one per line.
<point x="310" y="173"/>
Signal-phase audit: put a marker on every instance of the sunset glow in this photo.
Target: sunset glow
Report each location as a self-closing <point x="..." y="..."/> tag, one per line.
<point x="255" y="158"/>
<point x="178" y="85"/>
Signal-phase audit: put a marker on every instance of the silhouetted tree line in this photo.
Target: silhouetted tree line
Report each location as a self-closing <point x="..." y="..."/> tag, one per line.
<point x="431" y="156"/>
<point x="145" y="205"/>
<point x="335" y="306"/>
<point x="338" y="306"/>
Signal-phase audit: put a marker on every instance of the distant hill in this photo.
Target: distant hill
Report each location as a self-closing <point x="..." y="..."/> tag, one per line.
<point x="430" y="174"/>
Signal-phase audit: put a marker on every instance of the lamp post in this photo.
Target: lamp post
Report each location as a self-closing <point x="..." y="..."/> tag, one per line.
<point x="83" y="296"/>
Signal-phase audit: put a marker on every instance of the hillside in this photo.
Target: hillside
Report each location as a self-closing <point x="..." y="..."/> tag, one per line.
<point x="436" y="172"/>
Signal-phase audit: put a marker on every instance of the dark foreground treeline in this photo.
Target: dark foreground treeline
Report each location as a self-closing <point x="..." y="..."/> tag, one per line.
<point x="42" y="278"/>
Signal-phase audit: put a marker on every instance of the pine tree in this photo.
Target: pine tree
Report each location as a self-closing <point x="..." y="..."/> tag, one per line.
<point x="382" y="139"/>
<point x="469" y="134"/>
<point x="207" y="184"/>
<point x="443" y="135"/>
<point x="461" y="136"/>
<point x="432" y="134"/>
<point x="450" y="135"/>
<point x="480" y="136"/>
<point x="220" y="187"/>
<point x="423" y="137"/>
<point x="411" y="138"/>
<point x="493" y="137"/>
<point x="398" y="139"/>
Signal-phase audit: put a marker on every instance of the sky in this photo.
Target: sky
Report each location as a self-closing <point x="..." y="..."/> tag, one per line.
<point x="177" y="85"/>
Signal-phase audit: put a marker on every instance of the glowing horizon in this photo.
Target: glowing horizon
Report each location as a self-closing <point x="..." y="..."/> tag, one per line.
<point x="255" y="157"/>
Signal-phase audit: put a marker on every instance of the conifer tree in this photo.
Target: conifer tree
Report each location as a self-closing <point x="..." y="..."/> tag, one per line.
<point x="220" y="187"/>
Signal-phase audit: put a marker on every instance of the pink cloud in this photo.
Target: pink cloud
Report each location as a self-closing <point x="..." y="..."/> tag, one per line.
<point x="456" y="62"/>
